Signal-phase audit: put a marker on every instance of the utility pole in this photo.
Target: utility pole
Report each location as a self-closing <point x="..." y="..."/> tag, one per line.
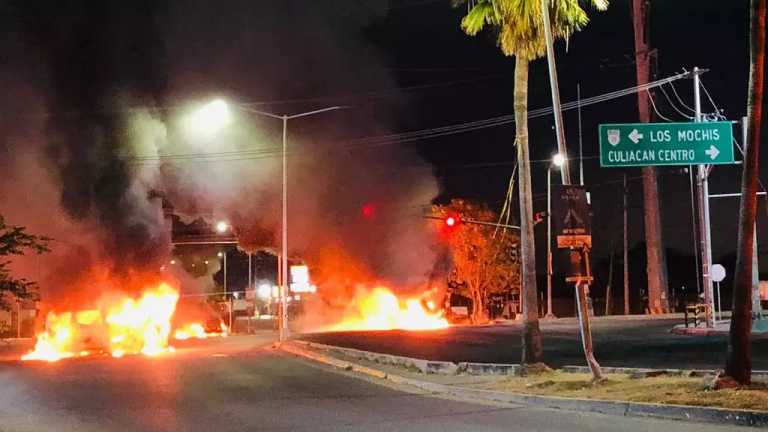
<point x="608" y="286"/>
<point x="565" y="174"/>
<point x="250" y="272"/>
<point x="581" y="154"/>
<point x="626" y="251"/>
<point x="283" y="336"/>
<point x="756" y="306"/>
<point x="703" y="207"/>
<point x="654" y="246"/>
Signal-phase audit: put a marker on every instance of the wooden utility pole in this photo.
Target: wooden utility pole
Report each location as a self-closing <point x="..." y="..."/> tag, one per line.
<point x="738" y="364"/>
<point x="657" y="269"/>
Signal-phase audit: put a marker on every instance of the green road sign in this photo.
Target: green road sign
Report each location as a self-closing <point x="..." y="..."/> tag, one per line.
<point x="643" y="144"/>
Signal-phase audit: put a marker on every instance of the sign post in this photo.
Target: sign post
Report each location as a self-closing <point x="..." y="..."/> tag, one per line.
<point x="646" y="144"/>
<point x="717" y="273"/>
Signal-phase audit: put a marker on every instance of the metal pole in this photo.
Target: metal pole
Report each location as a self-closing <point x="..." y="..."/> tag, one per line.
<point x="565" y="175"/>
<point x="626" y="251"/>
<point x="565" y="172"/>
<point x="250" y="272"/>
<point x="225" y="274"/>
<point x="705" y="236"/>
<point x="18" y="319"/>
<point x="549" y="313"/>
<point x="284" y="282"/>
<point x="719" y="304"/>
<point x="581" y="154"/>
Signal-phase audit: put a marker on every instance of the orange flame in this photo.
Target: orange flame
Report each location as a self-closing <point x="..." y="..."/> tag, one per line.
<point x="120" y="326"/>
<point x="197" y="331"/>
<point x="382" y="310"/>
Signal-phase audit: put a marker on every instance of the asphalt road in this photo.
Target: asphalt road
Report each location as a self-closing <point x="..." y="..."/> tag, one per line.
<point x="238" y="384"/>
<point x="617" y="342"/>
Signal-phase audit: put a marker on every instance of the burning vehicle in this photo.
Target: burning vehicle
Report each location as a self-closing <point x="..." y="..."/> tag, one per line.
<point x="121" y="324"/>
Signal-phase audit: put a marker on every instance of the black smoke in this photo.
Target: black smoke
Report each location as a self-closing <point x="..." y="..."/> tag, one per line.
<point x="100" y="63"/>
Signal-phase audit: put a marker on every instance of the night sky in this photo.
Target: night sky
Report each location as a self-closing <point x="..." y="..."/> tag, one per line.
<point x="400" y="66"/>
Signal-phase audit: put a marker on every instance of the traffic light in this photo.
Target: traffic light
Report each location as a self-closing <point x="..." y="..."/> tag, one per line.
<point x="450" y="223"/>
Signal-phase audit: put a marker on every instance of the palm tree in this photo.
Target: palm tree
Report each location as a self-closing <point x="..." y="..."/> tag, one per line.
<point x="738" y="364"/>
<point x="520" y="30"/>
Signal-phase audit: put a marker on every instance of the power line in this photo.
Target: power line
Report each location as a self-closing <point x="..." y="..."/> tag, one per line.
<point x="674" y="107"/>
<point x="679" y="99"/>
<point x="650" y="98"/>
<point x="423" y="134"/>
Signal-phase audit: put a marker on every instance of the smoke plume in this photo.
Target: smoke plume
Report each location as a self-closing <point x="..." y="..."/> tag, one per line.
<point x="107" y="136"/>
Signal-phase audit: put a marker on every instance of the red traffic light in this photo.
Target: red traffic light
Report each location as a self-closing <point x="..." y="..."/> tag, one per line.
<point x="450" y="221"/>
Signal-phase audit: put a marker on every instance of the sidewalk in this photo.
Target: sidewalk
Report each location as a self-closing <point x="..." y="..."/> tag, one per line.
<point x="492" y="384"/>
<point x="721" y="328"/>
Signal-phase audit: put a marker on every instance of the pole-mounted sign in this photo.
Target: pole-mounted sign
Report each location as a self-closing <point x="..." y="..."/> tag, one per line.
<point x="571" y="217"/>
<point x="573" y="229"/>
<point x="644" y="144"/>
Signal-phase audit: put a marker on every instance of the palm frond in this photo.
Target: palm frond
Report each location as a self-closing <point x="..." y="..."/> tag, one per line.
<point x="481" y="13"/>
<point x="519" y="22"/>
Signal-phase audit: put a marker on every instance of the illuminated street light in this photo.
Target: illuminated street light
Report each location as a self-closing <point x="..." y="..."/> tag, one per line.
<point x="209" y="119"/>
<point x="173" y="261"/>
<point x="222" y="227"/>
<point x="558" y="160"/>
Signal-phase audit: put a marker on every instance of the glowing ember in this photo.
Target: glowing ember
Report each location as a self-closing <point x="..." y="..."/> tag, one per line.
<point x="382" y="310"/>
<point x="120" y="327"/>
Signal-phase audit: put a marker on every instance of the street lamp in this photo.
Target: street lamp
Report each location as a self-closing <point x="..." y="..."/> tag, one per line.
<point x="222" y="227"/>
<point x="215" y="115"/>
<point x="283" y="323"/>
<point x="557" y="161"/>
<point x="223" y="255"/>
<point x="208" y="119"/>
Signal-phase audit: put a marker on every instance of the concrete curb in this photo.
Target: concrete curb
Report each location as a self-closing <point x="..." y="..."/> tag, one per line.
<point x="618" y="408"/>
<point x="424" y="366"/>
<point x="472" y="368"/>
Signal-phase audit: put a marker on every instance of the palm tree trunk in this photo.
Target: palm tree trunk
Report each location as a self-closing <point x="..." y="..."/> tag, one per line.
<point x="738" y="364"/>
<point x="657" y="268"/>
<point x="532" y="349"/>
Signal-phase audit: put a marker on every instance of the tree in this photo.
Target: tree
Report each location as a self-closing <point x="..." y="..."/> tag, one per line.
<point x="14" y="240"/>
<point x="484" y="258"/>
<point x="520" y="33"/>
<point x="738" y="364"/>
<point x="654" y="248"/>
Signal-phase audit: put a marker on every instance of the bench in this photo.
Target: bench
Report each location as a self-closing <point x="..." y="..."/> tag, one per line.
<point x="698" y="312"/>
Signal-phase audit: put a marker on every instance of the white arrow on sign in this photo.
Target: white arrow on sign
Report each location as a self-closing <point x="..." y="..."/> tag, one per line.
<point x="712" y="152"/>
<point x="635" y="136"/>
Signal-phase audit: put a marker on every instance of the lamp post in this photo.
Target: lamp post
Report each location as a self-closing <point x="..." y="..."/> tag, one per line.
<point x="283" y="323"/>
<point x="557" y="161"/>
<point x="215" y="115"/>
<point x="223" y="256"/>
